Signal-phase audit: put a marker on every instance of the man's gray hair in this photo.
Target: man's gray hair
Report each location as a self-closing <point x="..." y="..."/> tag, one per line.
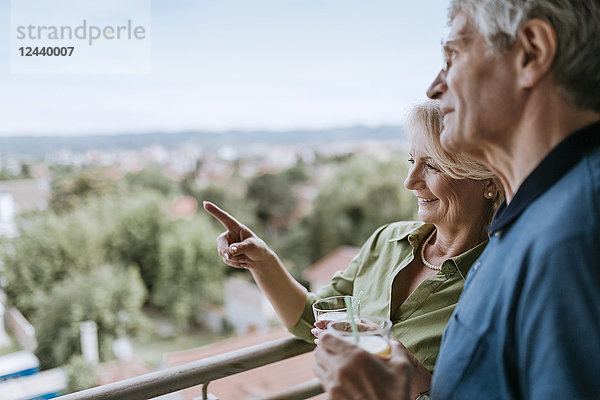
<point x="576" y="66"/>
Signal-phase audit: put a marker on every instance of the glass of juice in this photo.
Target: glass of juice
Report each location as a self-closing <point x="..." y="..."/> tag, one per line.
<point x="334" y="308"/>
<point x="373" y="333"/>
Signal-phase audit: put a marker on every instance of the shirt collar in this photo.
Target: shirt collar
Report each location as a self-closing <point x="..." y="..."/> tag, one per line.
<point x="461" y="262"/>
<point x="465" y="260"/>
<point x="560" y="160"/>
<point x="415" y="235"/>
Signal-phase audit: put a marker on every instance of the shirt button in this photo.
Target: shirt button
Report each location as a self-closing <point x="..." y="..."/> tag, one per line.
<point x="476" y="266"/>
<point x="496" y="234"/>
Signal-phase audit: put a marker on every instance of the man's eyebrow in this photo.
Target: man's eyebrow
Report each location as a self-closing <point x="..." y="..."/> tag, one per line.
<point x="456" y="41"/>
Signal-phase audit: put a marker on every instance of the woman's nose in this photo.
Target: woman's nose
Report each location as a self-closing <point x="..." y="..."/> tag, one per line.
<point x="414" y="179"/>
<point x="438" y="86"/>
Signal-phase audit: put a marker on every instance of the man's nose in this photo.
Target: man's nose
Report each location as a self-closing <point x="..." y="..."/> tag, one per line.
<point x="438" y="86"/>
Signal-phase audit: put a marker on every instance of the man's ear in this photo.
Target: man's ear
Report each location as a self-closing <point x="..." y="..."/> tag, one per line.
<point x="536" y="45"/>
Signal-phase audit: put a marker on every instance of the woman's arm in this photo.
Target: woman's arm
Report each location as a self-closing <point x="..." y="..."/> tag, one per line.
<point x="242" y="248"/>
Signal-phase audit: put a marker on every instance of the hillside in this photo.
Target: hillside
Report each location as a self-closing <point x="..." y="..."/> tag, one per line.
<point x="37" y="146"/>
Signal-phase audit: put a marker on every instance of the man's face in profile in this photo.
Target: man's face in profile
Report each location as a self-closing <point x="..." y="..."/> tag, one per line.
<point x="476" y="88"/>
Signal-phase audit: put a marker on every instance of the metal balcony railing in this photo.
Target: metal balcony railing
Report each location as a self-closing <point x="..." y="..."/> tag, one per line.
<point x="202" y="372"/>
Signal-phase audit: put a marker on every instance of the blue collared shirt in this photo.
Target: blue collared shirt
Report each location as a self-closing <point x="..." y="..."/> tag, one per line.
<point x="527" y="325"/>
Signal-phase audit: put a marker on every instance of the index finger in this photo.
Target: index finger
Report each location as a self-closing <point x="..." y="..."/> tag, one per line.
<point x="222" y="216"/>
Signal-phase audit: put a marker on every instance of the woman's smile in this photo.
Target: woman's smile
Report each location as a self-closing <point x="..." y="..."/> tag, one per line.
<point x="424" y="200"/>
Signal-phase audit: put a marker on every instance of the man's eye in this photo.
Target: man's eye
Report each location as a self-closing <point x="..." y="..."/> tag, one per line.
<point x="448" y="58"/>
<point x="447" y="64"/>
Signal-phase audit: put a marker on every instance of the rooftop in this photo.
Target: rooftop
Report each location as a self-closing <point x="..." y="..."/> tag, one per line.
<point x="321" y="271"/>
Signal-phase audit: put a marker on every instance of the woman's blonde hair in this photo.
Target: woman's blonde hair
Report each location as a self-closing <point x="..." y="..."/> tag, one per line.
<point x="425" y="120"/>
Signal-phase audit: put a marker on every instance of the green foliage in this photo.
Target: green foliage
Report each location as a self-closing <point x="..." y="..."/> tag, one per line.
<point x="81" y="374"/>
<point x="71" y="190"/>
<point x="274" y="199"/>
<point x="150" y="178"/>
<point x="362" y="194"/>
<point x="188" y="185"/>
<point x="136" y="235"/>
<point x="24" y="173"/>
<point x="102" y="249"/>
<point x="60" y="171"/>
<point x="191" y="270"/>
<point x="48" y="250"/>
<point x="297" y="173"/>
<point x="225" y="197"/>
<point x="295" y="249"/>
<point x="99" y="296"/>
<point x="54" y="276"/>
<point x="214" y="194"/>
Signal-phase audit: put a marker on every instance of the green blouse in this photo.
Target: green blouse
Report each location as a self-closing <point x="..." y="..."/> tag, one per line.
<point x="420" y="321"/>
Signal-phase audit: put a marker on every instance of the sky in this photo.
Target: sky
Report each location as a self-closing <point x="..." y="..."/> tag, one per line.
<point x="222" y="65"/>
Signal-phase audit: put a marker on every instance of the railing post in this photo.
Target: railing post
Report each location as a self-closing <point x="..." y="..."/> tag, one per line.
<point x="205" y="395"/>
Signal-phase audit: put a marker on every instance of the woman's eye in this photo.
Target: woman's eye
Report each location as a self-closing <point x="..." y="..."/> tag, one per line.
<point x="431" y="167"/>
<point x="411" y="161"/>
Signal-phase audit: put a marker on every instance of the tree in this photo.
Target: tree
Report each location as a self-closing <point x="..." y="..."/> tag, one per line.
<point x="71" y="190"/>
<point x="81" y="374"/>
<point x="191" y="273"/>
<point x="102" y="257"/>
<point x="224" y="197"/>
<point x="295" y="249"/>
<point x="362" y="194"/>
<point x="150" y="178"/>
<point x="297" y="173"/>
<point x="95" y="296"/>
<point x="135" y="236"/>
<point x="49" y="249"/>
<point x="274" y="200"/>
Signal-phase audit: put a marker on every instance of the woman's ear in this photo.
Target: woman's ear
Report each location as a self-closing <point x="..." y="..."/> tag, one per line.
<point x="490" y="191"/>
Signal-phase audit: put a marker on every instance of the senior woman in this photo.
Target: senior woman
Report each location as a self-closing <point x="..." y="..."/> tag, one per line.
<point x="410" y="272"/>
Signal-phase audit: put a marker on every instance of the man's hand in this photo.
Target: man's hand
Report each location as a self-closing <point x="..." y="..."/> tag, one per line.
<point x="238" y="246"/>
<point x="348" y="372"/>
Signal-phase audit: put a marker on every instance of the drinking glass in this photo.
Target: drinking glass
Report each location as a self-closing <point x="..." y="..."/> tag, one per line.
<point x="373" y="333"/>
<point x="334" y="308"/>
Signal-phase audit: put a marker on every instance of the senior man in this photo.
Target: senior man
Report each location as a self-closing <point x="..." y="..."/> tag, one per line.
<point x="519" y="92"/>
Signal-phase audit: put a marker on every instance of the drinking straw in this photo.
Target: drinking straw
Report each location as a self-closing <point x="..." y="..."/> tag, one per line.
<point x="358" y="297"/>
<point x="350" y="314"/>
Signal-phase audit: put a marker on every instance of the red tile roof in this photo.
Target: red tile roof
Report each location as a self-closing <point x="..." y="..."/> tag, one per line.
<point x="338" y="260"/>
<point x="183" y="207"/>
<point x="114" y="371"/>
<point x="257" y="382"/>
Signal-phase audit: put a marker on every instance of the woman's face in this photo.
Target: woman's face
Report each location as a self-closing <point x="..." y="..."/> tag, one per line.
<point x="442" y="200"/>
